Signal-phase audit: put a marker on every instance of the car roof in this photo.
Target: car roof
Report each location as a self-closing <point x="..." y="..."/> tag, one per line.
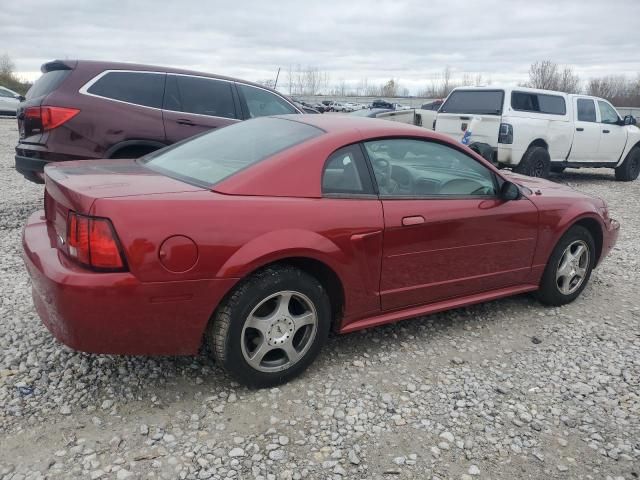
<point x="106" y="65"/>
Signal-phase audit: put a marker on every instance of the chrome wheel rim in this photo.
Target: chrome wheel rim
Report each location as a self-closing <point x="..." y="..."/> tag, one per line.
<point x="279" y="331"/>
<point x="572" y="268"/>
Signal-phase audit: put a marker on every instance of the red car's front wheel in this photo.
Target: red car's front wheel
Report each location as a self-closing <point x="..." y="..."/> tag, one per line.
<point x="271" y="327"/>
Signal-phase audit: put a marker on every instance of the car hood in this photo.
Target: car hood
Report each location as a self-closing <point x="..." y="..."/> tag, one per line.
<point x="535" y="187"/>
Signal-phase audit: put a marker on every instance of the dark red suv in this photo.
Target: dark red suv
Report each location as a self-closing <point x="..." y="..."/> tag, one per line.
<point x="83" y="109"/>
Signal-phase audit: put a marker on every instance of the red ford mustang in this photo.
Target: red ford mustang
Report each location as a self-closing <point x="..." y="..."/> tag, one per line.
<point x="259" y="238"/>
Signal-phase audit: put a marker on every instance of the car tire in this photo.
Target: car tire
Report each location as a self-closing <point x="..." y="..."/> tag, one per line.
<point x="630" y="168"/>
<point x="557" y="169"/>
<point x="252" y="330"/>
<point x="568" y="271"/>
<point x="535" y="162"/>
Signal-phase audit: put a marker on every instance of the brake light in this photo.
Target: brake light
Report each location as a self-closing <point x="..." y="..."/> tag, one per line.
<point x="92" y="241"/>
<point x="47" y="118"/>
<point x="506" y="133"/>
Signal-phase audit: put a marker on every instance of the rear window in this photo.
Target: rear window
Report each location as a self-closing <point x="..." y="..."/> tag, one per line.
<point x="214" y="156"/>
<point x="199" y="95"/>
<point x="47" y="83"/>
<point x="481" y="102"/>
<point x="140" y="88"/>
<point x="538" y="102"/>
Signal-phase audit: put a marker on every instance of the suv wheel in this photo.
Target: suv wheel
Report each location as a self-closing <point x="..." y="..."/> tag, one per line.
<point x="535" y="163"/>
<point x="133" y="152"/>
<point x="630" y="168"/>
<point x="272" y="326"/>
<point x="569" y="267"/>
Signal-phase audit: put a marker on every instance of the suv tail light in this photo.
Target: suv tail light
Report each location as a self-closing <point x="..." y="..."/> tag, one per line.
<point x="93" y="242"/>
<point x="47" y="118"/>
<point x="506" y="133"/>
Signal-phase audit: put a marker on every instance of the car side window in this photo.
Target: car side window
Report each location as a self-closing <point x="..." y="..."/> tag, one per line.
<point x="261" y="102"/>
<point x="406" y="167"/>
<point x="345" y="172"/>
<point x="199" y="95"/>
<point x="6" y="93"/>
<point x="607" y="113"/>
<point x="586" y="110"/>
<point x="139" y="88"/>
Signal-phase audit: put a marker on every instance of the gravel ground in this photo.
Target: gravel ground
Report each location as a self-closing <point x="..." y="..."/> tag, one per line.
<point x="507" y="389"/>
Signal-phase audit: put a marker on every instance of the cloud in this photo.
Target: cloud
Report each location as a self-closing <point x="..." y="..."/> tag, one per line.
<point x="409" y="40"/>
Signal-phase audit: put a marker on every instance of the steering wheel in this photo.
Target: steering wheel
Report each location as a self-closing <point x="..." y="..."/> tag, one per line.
<point x="382" y="170"/>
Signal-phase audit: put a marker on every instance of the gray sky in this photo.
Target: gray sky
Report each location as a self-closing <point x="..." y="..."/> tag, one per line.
<point x="411" y="41"/>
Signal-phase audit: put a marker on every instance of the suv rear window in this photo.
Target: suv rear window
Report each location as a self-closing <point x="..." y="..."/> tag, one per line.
<point x="538" y="102"/>
<point x="214" y="156"/>
<point x="47" y="83"/>
<point x="481" y="102"/>
<point x="140" y="88"/>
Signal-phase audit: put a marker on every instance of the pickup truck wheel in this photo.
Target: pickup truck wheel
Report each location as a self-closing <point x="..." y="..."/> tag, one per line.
<point x="271" y="327"/>
<point x="630" y="168"/>
<point x="569" y="267"/>
<point x="535" y="163"/>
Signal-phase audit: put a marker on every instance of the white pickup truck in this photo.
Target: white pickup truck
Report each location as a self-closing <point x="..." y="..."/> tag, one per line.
<point x="538" y="131"/>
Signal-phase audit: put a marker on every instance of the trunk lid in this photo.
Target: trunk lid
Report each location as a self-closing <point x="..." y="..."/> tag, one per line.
<point x="76" y="185"/>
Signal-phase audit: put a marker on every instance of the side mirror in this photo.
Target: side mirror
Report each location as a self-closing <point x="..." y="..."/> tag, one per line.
<point x="509" y="191"/>
<point x="630" y="120"/>
<point x="20" y="98"/>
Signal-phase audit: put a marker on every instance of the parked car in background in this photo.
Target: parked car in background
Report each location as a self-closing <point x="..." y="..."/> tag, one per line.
<point x="84" y="110"/>
<point x="341" y="107"/>
<point x="305" y="107"/>
<point x="435" y="105"/>
<point x="381" y="104"/>
<point x="538" y="131"/>
<point x="260" y="238"/>
<point x="400" y="106"/>
<point x="370" y="112"/>
<point x="9" y="101"/>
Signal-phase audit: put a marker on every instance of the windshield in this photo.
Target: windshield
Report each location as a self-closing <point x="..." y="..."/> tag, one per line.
<point x="207" y="159"/>
<point x="481" y="102"/>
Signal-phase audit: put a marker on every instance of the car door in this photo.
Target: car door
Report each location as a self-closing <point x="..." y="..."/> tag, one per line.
<point x="195" y="104"/>
<point x="447" y="234"/>
<point x="260" y="102"/>
<point x="8" y="102"/>
<point x="586" y="137"/>
<point x="613" y="135"/>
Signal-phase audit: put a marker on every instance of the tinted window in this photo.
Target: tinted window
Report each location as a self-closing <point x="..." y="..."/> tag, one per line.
<point x="607" y="113"/>
<point x="488" y="102"/>
<point x="209" y="158"/>
<point x="200" y="95"/>
<point x="141" y="88"/>
<point x="586" y="110"/>
<point x="538" y="102"/>
<point x="418" y="168"/>
<point x="261" y="102"/>
<point x="47" y="83"/>
<point x="346" y="172"/>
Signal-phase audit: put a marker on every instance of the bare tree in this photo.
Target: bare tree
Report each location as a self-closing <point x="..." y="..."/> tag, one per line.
<point x="618" y="89"/>
<point x="7" y="66"/>
<point x="8" y="77"/>
<point x="389" y="89"/>
<point x="547" y="75"/>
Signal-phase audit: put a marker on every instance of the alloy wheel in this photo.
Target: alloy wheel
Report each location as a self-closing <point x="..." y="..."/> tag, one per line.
<point x="279" y="331"/>
<point x="572" y="268"/>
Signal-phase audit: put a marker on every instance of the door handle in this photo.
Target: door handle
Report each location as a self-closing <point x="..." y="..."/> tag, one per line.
<point x="414" y="220"/>
<point x="580" y="129"/>
<point x="605" y="131"/>
<point x="185" y="121"/>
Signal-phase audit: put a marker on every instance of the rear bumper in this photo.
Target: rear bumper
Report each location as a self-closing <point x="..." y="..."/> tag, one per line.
<point x="31" y="168"/>
<point x="114" y="312"/>
<point x="32" y="158"/>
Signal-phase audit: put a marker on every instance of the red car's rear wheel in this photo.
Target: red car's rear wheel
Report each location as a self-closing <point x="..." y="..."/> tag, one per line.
<point x="271" y="327"/>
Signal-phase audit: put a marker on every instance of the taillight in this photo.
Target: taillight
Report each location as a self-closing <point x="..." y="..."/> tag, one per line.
<point x="506" y="133"/>
<point x="92" y="241"/>
<point x="47" y="118"/>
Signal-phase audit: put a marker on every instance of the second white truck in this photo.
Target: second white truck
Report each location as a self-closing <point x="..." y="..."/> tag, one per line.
<point x="538" y="131"/>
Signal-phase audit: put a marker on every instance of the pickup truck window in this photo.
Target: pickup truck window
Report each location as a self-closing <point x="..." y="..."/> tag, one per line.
<point x="538" y="102"/>
<point x="607" y="113"/>
<point x="480" y="102"/>
<point x="586" y="110"/>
